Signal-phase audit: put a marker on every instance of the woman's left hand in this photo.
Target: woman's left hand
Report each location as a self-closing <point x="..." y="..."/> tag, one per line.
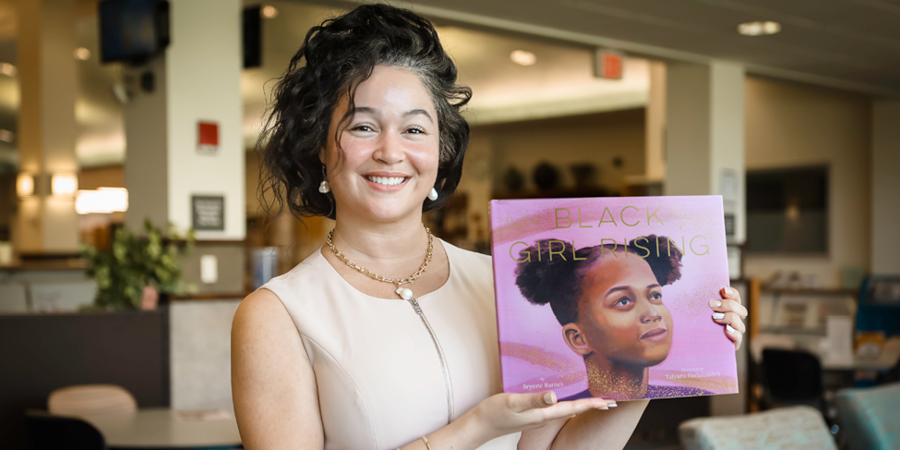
<point x="730" y="312"/>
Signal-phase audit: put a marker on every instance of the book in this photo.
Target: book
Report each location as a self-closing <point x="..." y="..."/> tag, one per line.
<point x="610" y="297"/>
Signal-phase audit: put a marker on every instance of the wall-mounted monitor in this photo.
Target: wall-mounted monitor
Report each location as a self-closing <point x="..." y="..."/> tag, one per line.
<point x="133" y="30"/>
<point x="787" y="211"/>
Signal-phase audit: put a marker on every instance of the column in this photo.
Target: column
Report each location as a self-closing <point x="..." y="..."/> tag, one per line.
<point x="48" y="83"/>
<point x="654" y="156"/>
<point x="885" y="187"/>
<point x="705" y="136"/>
<point x="705" y="155"/>
<point x="197" y="80"/>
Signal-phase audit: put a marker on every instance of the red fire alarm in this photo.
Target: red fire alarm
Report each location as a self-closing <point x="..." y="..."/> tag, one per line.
<point x="207" y="138"/>
<point x="608" y="64"/>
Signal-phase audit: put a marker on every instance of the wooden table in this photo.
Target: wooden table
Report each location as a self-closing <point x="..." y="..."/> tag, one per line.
<point x="164" y="428"/>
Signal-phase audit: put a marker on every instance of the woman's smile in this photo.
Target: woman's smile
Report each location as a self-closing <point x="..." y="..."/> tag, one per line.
<point x="386" y="181"/>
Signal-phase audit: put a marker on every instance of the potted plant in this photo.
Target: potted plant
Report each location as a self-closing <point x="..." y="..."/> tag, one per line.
<point x="138" y="268"/>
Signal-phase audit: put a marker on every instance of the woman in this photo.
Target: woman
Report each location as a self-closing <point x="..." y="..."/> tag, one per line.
<point x="615" y="318"/>
<point x="345" y="351"/>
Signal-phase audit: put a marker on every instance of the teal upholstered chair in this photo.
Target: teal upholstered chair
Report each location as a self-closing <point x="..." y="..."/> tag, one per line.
<point x="788" y="428"/>
<point x="870" y="418"/>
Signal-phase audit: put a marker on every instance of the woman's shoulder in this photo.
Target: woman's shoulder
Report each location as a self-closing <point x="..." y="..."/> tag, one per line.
<point x="307" y="270"/>
<point x="469" y="260"/>
<point x="470" y="266"/>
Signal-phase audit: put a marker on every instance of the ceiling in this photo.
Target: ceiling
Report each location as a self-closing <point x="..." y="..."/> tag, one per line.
<point x="853" y="44"/>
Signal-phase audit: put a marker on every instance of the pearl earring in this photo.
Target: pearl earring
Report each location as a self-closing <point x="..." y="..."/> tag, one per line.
<point x="324" y="188"/>
<point x="433" y="195"/>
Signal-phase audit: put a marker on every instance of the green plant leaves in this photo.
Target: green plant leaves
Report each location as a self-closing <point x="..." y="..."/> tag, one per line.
<point x="134" y="262"/>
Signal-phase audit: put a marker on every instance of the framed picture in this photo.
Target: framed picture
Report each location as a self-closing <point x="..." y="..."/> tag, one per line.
<point x="208" y="212"/>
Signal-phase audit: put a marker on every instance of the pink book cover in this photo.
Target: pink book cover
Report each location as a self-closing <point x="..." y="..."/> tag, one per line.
<point x="609" y="297"/>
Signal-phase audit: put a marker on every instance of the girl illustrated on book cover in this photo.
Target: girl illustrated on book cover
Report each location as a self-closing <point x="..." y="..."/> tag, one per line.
<point x="611" y="297"/>
<point x="609" y="300"/>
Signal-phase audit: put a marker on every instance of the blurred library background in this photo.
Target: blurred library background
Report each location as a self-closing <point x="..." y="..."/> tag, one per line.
<point x="131" y="127"/>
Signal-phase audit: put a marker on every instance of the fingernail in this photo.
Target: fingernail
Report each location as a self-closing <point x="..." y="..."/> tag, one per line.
<point x="610" y="402"/>
<point x="728" y="290"/>
<point x="548" y="398"/>
<point x="715" y="303"/>
<point x="719" y="316"/>
<point x="730" y="329"/>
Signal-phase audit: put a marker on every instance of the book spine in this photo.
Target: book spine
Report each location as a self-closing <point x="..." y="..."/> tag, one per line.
<point x="492" y="206"/>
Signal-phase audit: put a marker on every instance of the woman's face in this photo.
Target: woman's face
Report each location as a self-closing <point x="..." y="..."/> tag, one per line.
<point x="621" y="312"/>
<point x="390" y="148"/>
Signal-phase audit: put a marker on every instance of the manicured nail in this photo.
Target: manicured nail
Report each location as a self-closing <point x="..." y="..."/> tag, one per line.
<point x="730" y="329"/>
<point x="715" y="303"/>
<point x="612" y="405"/>
<point x="549" y="398"/>
<point x="719" y="316"/>
<point x="728" y="290"/>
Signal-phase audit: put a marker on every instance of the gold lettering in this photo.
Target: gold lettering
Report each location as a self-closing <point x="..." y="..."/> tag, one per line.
<point x="604" y="249"/>
<point x="622" y="217"/>
<point x="657" y="246"/>
<point x="574" y="257"/>
<point x="706" y="247"/>
<point x="539" y="250"/>
<point x="560" y="252"/>
<point x="671" y="243"/>
<point x="579" y="220"/>
<point x="642" y="247"/>
<point x="527" y="258"/>
<point x="653" y="215"/>
<point x="611" y="219"/>
<point x="625" y="246"/>
<point x="566" y="217"/>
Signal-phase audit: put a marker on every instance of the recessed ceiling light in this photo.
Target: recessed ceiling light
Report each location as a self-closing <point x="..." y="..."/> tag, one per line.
<point x="523" y="58"/>
<point x="8" y="69"/>
<point x="82" y="54"/>
<point x="759" y="28"/>
<point x="269" y="12"/>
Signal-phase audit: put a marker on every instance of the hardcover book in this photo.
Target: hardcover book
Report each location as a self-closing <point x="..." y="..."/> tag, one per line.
<point x="609" y="297"/>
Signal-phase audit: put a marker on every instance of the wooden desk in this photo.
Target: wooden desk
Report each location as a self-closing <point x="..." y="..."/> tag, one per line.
<point x="163" y="428"/>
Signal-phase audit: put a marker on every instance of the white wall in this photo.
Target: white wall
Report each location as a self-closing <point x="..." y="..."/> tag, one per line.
<point x="885" y="187"/>
<point x="200" y="353"/>
<point x="792" y="125"/>
<point x="203" y="69"/>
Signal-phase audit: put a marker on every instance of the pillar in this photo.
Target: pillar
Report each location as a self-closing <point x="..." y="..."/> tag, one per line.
<point x="885" y="186"/>
<point x="705" y="136"/>
<point x="196" y="80"/>
<point x="48" y="83"/>
<point x="654" y="157"/>
<point x="705" y="155"/>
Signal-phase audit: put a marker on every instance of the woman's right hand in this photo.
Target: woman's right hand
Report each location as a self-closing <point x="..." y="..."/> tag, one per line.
<point x="503" y="414"/>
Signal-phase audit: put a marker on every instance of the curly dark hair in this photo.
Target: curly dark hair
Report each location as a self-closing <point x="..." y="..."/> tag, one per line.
<point x="335" y="58"/>
<point x="550" y="281"/>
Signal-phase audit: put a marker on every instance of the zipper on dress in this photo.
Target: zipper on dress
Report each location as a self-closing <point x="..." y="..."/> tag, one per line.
<point x="440" y="351"/>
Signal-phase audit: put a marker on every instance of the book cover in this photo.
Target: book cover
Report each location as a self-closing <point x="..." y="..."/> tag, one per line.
<point x="609" y="297"/>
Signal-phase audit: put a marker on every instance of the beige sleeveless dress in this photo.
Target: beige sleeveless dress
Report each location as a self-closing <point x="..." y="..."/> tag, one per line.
<point x="387" y="375"/>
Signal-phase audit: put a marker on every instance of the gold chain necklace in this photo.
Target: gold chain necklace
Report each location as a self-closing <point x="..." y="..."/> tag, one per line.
<point x="404" y="293"/>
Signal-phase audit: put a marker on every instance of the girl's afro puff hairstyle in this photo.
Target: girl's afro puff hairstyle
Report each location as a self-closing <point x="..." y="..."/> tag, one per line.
<point x="558" y="281"/>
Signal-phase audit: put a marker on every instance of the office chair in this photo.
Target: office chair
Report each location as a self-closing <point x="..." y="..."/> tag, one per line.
<point x="792" y="377"/>
<point x="49" y="432"/>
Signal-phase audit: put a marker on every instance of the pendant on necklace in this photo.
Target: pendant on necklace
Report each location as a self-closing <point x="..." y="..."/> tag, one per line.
<point x="404" y="293"/>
